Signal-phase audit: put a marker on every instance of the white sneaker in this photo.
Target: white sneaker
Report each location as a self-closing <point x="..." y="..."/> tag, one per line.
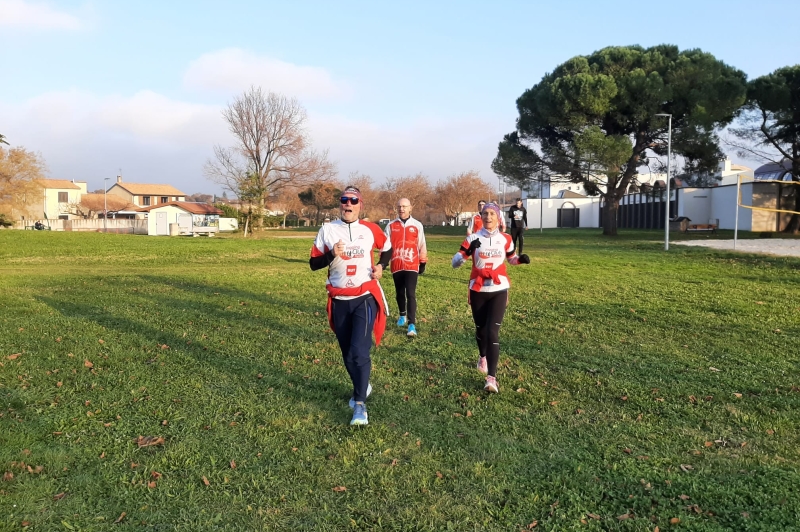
<point x="491" y="385"/>
<point x="352" y="401"/>
<point x="360" y="415"/>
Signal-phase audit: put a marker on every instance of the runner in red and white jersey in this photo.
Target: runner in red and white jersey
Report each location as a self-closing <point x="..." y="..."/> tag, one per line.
<point x="409" y="256"/>
<point x="356" y="304"/>
<point x="488" y="286"/>
<point x="476" y="223"/>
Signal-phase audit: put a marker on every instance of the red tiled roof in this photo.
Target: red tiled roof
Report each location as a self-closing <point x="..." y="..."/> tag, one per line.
<point x="147" y="189"/>
<point x="59" y="183"/>
<point x="194" y="208"/>
<point x="97" y="202"/>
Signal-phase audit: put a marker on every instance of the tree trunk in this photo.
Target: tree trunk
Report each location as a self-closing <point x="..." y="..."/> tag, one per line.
<point x="793" y="227"/>
<point x="610" y="215"/>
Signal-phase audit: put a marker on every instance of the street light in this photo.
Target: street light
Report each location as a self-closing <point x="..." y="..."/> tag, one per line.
<point x="669" y="157"/>
<point x="105" y="205"/>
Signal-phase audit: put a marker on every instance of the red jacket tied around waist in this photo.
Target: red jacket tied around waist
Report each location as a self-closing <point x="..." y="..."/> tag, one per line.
<point x="372" y="287"/>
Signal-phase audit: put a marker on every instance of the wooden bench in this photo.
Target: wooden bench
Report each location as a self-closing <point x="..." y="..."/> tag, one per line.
<point x="702" y="227"/>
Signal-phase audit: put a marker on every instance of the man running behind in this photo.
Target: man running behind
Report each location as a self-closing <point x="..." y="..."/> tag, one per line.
<point x="409" y="255"/>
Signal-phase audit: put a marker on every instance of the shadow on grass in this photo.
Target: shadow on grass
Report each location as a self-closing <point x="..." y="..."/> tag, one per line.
<point x="241" y="361"/>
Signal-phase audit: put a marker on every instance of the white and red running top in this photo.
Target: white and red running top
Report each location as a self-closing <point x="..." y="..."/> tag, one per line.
<point x="488" y="261"/>
<point x="408" y="244"/>
<point x="354" y="267"/>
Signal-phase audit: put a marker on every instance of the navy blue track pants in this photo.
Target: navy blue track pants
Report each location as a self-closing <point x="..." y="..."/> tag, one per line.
<point x="353" y="320"/>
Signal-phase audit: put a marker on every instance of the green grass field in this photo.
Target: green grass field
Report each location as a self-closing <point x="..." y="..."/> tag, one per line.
<point x="639" y="389"/>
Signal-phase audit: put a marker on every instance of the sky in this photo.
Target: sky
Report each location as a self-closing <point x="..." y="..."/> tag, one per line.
<point x="100" y="88"/>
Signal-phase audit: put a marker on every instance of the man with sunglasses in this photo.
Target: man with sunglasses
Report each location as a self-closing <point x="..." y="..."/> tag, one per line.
<point x="356" y="303"/>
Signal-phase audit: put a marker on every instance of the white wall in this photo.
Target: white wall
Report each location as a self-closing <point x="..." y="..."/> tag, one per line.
<point x="228" y="224"/>
<point x="695" y="204"/>
<point x="589" y="207"/>
<point x="723" y="206"/>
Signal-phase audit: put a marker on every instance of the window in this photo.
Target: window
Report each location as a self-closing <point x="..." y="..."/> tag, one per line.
<point x="145" y="200"/>
<point x="63" y="197"/>
<point x="164" y="199"/>
<point x="63" y="216"/>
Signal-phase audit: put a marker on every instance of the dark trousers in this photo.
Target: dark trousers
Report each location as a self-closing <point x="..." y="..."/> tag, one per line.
<point x="353" y="320"/>
<point x="517" y="236"/>
<point x="405" y="286"/>
<point x="488" y="309"/>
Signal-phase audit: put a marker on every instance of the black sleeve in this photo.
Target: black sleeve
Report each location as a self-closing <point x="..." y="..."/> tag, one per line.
<point x="386" y="257"/>
<point x="317" y="263"/>
<point x="525" y="217"/>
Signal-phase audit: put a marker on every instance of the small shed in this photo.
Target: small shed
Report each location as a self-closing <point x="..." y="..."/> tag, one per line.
<point x="182" y="217"/>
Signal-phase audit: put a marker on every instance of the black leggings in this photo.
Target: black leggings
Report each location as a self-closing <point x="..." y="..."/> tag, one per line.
<point x="405" y="286"/>
<point x="488" y="309"/>
<point x="517" y="236"/>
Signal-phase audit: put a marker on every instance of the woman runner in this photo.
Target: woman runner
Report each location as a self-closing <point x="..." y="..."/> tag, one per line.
<point x="488" y="286"/>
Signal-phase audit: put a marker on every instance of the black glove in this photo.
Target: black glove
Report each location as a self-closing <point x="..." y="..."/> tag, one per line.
<point x="475" y="244"/>
<point x="422" y="267"/>
<point x="524" y="259"/>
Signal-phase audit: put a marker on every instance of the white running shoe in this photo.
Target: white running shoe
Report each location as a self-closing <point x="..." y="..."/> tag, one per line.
<point x="482" y="366"/>
<point x="360" y="414"/>
<point x="491" y="385"/>
<point x="352" y="401"/>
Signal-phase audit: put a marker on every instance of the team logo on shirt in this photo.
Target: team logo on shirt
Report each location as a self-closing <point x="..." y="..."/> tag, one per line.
<point x="351" y="269"/>
<point x="353" y="252"/>
<point x="412" y="229"/>
<point x="490" y="253"/>
<point x="406" y="254"/>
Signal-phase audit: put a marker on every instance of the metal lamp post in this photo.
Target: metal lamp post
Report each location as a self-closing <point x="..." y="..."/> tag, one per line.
<point x="669" y="159"/>
<point x="105" y="205"/>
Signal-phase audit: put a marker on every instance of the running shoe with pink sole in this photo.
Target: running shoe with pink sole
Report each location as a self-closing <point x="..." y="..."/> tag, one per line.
<point x="482" y="366"/>
<point x="491" y="385"/>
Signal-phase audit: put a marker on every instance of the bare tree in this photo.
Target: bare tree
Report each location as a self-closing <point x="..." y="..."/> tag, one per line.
<point x="288" y="202"/>
<point x="272" y="148"/>
<point x="416" y="188"/>
<point x="21" y="188"/>
<point x="460" y="193"/>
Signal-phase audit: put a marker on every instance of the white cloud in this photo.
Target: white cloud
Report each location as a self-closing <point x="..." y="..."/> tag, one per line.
<point x="436" y="147"/>
<point x="149" y="115"/>
<point x="24" y="14"/>
<point x="157" y="139"/>
<point x="234" y="70"/>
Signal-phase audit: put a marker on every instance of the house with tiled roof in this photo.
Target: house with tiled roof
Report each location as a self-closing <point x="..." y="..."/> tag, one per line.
<point x="145" y="194"/>
<point x="93" y="206"/>
<point x="59" y="197"/>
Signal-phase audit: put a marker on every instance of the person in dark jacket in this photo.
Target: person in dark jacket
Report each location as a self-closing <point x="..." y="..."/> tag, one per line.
<point x="518" y="222"/>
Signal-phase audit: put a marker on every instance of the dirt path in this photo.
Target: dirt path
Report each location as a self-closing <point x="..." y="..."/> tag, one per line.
<point x="770" y="246"/>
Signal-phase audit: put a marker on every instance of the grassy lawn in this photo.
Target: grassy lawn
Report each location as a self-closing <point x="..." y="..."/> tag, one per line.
<point x="639" y="389"/>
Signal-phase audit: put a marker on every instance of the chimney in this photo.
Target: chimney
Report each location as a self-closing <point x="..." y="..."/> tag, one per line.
<point x="119" y="179"/>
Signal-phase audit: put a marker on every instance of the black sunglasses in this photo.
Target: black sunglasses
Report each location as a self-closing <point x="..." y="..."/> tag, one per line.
<point x="346" y="199"/>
